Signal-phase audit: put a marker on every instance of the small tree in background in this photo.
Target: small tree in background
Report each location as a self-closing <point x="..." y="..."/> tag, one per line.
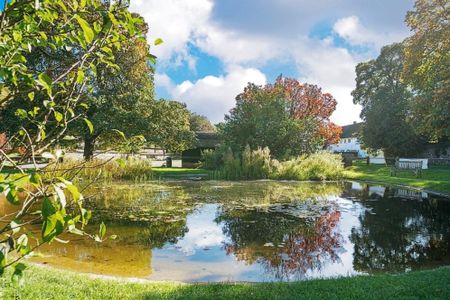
<point x="201" y="123"/>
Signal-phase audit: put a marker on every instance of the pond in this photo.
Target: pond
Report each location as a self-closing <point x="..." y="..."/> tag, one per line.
<point x="259" y="231"/>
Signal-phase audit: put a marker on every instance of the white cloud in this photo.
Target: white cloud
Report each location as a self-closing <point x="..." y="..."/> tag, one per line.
<point x="175" y="21"/>
<point x="213" y="96"/>
<point x="351" y="29"/>
<point x="247" y="35"/>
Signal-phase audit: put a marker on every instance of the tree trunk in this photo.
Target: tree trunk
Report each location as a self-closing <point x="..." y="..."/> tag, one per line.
<point x="89" y="142"/>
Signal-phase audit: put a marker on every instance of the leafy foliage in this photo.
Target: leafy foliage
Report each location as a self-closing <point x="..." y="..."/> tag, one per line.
<point x="288" y="117"/>
<point x="47" y="98"/>
<point x="427" y="66"/>
<point x="385" y="101"/>
<point x="201" y="123"/>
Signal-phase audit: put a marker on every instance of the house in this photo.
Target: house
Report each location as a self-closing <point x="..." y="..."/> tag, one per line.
<point x="349" y="141"/>
<point x="204" y="141"/>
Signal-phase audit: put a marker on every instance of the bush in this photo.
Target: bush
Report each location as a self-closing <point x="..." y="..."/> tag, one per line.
<point x="257" y="164"/>
<point x="317" y="166"/>
<point x="118" y="169"/>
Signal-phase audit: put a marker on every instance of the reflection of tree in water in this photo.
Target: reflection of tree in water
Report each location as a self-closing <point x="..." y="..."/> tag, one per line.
<point x="286" y="245"/>
<point x="399" y="234"/>
<point x="159" y="211"/>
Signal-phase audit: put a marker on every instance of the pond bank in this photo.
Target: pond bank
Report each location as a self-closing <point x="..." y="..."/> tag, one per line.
<point x="48" y="283"/>
<point x="435" y="180"/>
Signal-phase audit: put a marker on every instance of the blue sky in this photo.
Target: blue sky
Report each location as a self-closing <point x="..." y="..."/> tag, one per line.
<point x="213" y="48"/>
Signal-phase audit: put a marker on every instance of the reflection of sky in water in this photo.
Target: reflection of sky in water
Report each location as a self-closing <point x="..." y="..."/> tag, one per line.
<point x="203" y="232"/>
<point x="367" y="229"/>
<point x="199" y="255"/>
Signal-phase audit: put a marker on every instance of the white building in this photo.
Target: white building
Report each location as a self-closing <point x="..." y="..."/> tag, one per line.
<point x="349" y="141"/>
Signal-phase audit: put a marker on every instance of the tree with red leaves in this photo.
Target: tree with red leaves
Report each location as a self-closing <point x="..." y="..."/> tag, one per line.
<point x="289" y="117"/>
<point x="308" y="101"/>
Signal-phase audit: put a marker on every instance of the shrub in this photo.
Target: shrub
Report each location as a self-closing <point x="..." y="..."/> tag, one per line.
<point x="257" y="164"/>
<point x="118" y="169"/>
<point x="317" y="166"/>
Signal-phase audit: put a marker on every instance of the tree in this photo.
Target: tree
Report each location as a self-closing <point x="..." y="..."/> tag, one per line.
<point x="384" y="100"/>
<point x="427" y="66"/>
<point x="122" y="95"/>
<point x="168" y="124"/>
<point x="201" y="123"/>
<point x="49" y="98"/>
<point x="288" y="117"/>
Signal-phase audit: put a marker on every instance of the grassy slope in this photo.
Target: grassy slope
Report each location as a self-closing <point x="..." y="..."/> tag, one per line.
<point x="46" y="283"/>
<point x="435" y="178"/>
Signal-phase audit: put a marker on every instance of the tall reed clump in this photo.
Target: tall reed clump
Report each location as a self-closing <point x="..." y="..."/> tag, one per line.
<point x="317" y="166"/>
<point x="257" y="164"/>
<point x="117" y="169"/>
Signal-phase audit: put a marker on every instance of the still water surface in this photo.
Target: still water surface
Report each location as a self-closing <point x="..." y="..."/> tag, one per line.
<point x="259" y="231"/>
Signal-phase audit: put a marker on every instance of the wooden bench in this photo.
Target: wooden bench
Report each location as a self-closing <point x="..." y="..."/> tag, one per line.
<point x="414" y="166"/>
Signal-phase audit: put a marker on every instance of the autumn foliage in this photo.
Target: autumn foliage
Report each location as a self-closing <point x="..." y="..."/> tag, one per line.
<point x="303" y="101"/>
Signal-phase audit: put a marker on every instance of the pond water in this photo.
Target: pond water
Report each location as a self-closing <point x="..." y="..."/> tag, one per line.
<point x="259" y="231"/>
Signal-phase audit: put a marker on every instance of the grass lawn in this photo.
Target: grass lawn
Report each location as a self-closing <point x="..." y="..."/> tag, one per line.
<point x="47" y="283"/>
<point x="435" y="178"/>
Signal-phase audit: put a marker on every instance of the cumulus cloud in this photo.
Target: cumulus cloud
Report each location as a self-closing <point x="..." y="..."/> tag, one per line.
<point x="352" y="30"/>
<point x="213" y="96"/>
<point x="248" y="35"/>
<point x="175" y="21"/>
<point x="333" y="69"/>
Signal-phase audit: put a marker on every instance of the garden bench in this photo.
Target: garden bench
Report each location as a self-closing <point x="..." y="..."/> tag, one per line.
<point x="414" y="166"/>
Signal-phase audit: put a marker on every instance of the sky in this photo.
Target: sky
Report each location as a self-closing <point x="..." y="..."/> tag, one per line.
<point x="213" y="48"/>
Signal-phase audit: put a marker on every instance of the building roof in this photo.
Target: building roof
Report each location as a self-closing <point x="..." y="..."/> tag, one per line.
<point x="351" y="130"/>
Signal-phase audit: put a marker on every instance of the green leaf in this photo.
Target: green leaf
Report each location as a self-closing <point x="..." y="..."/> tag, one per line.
<point x="80" y="77"/>
<point x="58" y="116"/>
<point x="102" y="230"/>
<point x="89" y="125"/>
<point x="12" y="196"/>
<point x="87" y="30"/>
<point x="21" y="113"/>
<point x="35" y="178"/>
<point x="73" y="190"/>
<point x="17" y="275"/>
<point x="47" y="208"/>
<point x="158" y="41"/>
<point x="45" y="81"/>
<point x="31" y="96"/>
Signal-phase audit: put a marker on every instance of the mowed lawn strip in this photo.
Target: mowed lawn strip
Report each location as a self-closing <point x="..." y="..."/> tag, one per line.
<point x="435" y="178"/>
<point x="48" y="283"/>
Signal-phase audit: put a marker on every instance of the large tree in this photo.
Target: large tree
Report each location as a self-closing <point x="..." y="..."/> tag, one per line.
<point x="427" y="66"/>
<point x="288" y="117"/>
<point x="384" y="100"/>
<point x="48" y="97"/>
<point x="123" y="95"/>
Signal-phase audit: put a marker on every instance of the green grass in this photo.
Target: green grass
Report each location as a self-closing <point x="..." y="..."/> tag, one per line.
<point x="47" y="283"/>
<point x="435" y="178"/>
